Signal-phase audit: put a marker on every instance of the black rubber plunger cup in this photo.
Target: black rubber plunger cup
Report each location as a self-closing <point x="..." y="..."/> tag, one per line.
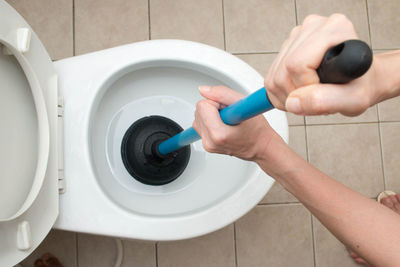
<point x="140" y="155"/>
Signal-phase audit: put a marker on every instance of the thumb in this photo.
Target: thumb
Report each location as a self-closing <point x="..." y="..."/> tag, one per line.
<point x="220" y="94"/>
<point x="323" y="99"/>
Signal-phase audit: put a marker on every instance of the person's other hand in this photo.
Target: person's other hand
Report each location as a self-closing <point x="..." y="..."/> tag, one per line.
<point x="292" y="82"/>
<point x="249" y="140"/>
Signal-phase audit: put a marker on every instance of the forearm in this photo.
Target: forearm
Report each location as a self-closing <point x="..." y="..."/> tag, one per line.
<point x="388" y="66"/>
<point x="369" y="229"/>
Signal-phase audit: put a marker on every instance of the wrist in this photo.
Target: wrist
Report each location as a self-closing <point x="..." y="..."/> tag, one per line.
<point x="278" y="160"/>
<point x="387" y="79"/>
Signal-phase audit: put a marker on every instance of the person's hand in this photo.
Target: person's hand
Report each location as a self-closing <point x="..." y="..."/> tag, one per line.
<point x="292" y="82"/>
<point x="249" y="140"/>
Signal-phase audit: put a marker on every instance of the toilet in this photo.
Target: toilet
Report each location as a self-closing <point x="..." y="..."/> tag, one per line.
<point x="62" y="127"/>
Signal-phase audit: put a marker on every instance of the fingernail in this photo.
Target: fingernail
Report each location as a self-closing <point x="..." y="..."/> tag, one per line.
<point x="293" y="105"/>
<point x="204" y="88"/>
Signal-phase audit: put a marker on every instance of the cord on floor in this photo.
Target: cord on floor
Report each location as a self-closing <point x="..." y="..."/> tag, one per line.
<point x="120" y="252"/>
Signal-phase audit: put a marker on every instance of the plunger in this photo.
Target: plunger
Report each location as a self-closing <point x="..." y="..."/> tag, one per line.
<point x="155" y="150"/>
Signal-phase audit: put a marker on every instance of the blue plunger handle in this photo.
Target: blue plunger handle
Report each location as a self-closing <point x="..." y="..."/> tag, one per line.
<point x="341" y="64"/>
<point x="250" y="106"/>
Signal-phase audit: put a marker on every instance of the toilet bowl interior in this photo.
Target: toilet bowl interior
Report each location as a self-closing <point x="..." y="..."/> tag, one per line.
<point x="168" y="89"/>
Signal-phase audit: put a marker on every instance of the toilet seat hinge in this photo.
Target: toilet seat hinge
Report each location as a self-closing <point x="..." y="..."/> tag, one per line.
<point x="60" y="148"/>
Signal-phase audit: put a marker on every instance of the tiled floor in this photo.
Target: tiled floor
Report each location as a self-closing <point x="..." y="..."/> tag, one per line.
<point x="362" y="152"/>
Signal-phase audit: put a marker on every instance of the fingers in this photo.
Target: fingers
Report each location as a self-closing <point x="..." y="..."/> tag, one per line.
<point x="220" y="94"/>
<point x="327" y="99"/>
<point x="209" y="126"/>
<point x="300" y="56"/>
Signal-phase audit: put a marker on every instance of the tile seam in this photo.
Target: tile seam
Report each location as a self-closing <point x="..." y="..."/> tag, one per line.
<point x="156" y="252"/>
<point x="342" y="123"/>
<point x="254" y="53"/>
<point x="73" y="29"/>
<point x="234" y="243"/>
<point x="368" y="21"/>
<point x="149" y="18"/>
<point x="223" y="23"/>
<point x="314" y="242"/>
<point x="382" y="156"/>
<point x="77" y="250"/>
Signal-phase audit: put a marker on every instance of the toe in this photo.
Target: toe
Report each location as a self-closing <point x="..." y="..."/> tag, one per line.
<point x="396" y="203"/>
<point x="39" y="263"/>
<point x="387" y="201"/>
<point x="360" y="261"/>
<point x="50" y="260"/>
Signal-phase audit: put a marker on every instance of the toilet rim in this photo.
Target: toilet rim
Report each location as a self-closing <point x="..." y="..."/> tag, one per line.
<point x="43" y="124"/>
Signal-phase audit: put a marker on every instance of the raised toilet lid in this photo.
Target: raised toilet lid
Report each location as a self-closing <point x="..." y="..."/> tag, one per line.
<point x="28" y="156"/>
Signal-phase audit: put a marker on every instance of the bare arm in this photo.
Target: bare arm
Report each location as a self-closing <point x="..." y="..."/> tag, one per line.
<point x="368" y="228"/>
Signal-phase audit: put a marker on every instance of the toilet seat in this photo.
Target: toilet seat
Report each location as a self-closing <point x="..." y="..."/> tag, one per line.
<point x="28" y="154"/>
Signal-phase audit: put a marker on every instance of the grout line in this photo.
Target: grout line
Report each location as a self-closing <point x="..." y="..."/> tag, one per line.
<point x="382" y="156"/>
<point x="255" y="53"/>
<point x="295" y="12"/>
<point x="73" y="28"/>
<point x="368" y="20"/>
<point x="234" y="243"/>
<point x="148" y="13"/>
<point x="381" y="148"/>
<point x="307" y="144"/>
<point x="306" y="137"/>
<point x="389" y="122"/>
<point x="279" y="204"/>
<point x="342" y="123"/>
<point x="77" y="250"/>
<point x="223" y="24"/>
<point x="314" y="243"/>
<point x="156" y="252"/>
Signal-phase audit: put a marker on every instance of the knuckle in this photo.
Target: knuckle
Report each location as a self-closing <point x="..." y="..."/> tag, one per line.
<point x="311" y="19"/>
<point x="219" y="138"/>
<point x="340" y="20"/>
<point x="280" y="79"/>
<point x="338" y="17"/>
<point x="201" y="105"/>
<point x="295" y="30"/>
<point x="209" y="146"/>
<point x="294" y="65"/>
<point x="363" y="100"/>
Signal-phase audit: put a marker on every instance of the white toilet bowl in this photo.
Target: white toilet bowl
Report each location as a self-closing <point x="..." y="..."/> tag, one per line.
<point x="101" y="95"/>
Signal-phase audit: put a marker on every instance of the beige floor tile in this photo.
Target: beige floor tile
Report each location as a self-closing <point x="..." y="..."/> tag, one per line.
<point x="370" y="115"/>
<point x="355" y="10"/>
<point x="52" y="22"/>
<point x="257" y="25"/>
<point x="389" y="110"/>
<point x="297" y="141"/>
<point x="261" y="63"/>
<point x="200" y="21"/>
<point x="328" y="250"/>
<point x="294" y="119"/>
<point x="276" y="235"/>
<point x="384" y="22"/>
<point x="61" y="244"/>
<point x="390" y="134"/>
<point x="212" y="250"/>
<point x="349" y="153"/>
<point x="101" y="251"/>
<point x="101" y="24"/>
